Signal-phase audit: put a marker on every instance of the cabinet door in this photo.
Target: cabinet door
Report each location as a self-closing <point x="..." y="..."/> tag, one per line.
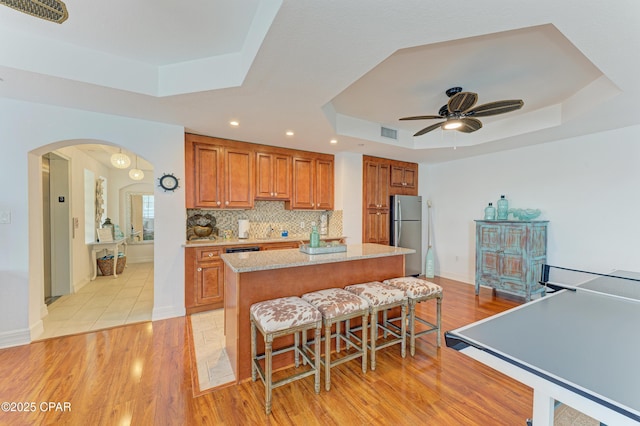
<point x="383" y="227"/>
<point x="377" y="227"/>
<point x="371" y="185"/>
<point x="383" y="186"/>
<point x="303" y="183"/>
<point x="282" y="176"/>
<point x="512" y="257"/>
<point x="209" y="283"/>
<point x="409" y="179"/>
<point x="376" y="185"/>
<point x="324" y="185"/>
<point x="397" y="176"/>
<point x="207" y="175"/>
<point x="238" y="178"/>
<point x="264" y="175"/>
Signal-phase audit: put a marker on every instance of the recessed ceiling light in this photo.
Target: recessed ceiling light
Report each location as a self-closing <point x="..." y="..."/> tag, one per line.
<point x="289" y="133"/>
<point x="333" y="141"/>
<point x="234" y="123"/>
<point x="360" y="144"/>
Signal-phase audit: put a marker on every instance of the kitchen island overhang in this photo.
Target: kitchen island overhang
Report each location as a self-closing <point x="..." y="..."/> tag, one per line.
<point x="258" y="276"/>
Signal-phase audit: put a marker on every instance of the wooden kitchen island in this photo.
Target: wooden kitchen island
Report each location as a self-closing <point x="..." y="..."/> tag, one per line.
<point x="252" y="277"/>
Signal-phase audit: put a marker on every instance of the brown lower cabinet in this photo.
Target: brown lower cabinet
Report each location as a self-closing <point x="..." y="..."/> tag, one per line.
<point x="204" y="274"/>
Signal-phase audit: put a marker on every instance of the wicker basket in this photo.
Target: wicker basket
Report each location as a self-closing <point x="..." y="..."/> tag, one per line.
<point x="105" y="264"/>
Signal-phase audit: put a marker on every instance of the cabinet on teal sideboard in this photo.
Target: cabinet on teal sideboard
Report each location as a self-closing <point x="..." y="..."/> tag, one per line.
<point x="509" y="255"/>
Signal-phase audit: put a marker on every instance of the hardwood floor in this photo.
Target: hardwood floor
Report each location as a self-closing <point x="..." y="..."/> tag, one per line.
<point x="140" y="374"/>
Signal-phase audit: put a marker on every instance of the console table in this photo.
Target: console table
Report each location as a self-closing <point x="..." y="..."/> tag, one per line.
<point x="109" y="246"/>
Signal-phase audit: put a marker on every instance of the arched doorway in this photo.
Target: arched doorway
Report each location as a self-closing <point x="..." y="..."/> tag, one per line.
<point x="104" y="302"/>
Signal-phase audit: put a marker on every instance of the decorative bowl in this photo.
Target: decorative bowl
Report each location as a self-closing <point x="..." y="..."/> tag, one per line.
<point x="202" y="231"/>
<point x="525" y="214"/>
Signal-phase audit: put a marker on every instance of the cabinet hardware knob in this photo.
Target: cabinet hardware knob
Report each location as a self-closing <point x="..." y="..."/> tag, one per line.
<point x="218" y="202"/>
<point x="199" y="269"/>
<point x="210" y="254"/>
<point x="226" y="202"/>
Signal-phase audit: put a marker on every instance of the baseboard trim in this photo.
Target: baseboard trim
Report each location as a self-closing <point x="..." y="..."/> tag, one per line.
<point x="456" y="277"/>
<point x="15" y="337"/>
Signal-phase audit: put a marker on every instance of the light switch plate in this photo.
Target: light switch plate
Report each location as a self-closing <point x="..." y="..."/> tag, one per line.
<point x="5" y="216"/>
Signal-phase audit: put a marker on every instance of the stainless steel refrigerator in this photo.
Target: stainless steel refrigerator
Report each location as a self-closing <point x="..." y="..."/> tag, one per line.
<point x="406" y="229"/>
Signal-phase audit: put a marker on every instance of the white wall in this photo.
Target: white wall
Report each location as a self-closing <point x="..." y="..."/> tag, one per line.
<point x="348" y="194"/>
<point x="587" y="187"/>
<point x="29" y="130"/>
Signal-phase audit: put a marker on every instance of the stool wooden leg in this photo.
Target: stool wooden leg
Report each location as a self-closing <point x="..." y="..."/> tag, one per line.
<point x="412" y="326"/>
<point x="364" y="342"/>
<point x="317" y="357"/>
<point x="253" y="351"/>
<point x="439" y="318"/>
<point x="327" y="355"/>
<point x="374" y="337"/>
<point x="296" y="351"/>
<point x="268" y="349"/>
<point x="403" y="331"/>
<point x="338" y="337"/>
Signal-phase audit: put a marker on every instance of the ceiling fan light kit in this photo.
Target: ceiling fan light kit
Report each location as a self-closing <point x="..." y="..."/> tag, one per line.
<point x="50" y="10"/>
<point x="460" y="110"/>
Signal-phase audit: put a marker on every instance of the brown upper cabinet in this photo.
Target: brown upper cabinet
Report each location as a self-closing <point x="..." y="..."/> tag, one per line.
<point x="404" y="176"/>
<point x="312" y="182"/>
<point x="226" y="174"/>
<point x="273" y="176"/>
<point x="218" y="174"/>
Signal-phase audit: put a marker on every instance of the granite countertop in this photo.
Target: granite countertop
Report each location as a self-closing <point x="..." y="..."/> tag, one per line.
<point x="278" y="259"/>
<point x="254" y="241"/>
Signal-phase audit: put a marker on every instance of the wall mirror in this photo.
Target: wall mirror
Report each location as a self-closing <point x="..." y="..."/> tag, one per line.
<point x="139" y="217"/>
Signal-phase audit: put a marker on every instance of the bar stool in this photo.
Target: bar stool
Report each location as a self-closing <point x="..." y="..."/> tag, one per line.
<point x="419" y="290"/>
<point x="337" y="305"/>
<point x="382" y="297"/>
<point x="280" y="317"/>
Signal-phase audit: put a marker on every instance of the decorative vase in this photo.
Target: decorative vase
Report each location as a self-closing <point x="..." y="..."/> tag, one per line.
<point x="503" y="208"/>
<point x="490" y="212"/>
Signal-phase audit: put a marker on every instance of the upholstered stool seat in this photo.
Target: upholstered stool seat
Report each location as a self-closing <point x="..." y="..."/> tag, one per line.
<point x="382" y="297"/>
<point x="419" y="290"/>
<point x="337" y="305"/>
<point x="281" y="317"/>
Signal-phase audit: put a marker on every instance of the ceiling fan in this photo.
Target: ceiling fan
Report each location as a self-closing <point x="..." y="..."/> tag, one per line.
<point x="51" y="10"/>
<point x="459" y="112"/>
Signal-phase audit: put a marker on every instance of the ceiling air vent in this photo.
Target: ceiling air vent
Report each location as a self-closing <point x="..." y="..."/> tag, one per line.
<point x="51" y="10"/>
<point x="389" y="133"/>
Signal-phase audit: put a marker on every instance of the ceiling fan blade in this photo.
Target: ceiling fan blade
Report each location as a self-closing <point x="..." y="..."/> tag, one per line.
<point x="469" y="125"/>
<point x="495" y="108"/>
<point x="422" y="117"/>
<point x="428" y="129"/>
<point x="461" y="102"/>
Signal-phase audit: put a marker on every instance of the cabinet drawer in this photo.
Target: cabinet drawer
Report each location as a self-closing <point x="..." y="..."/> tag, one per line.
<point x="208" y="253"/>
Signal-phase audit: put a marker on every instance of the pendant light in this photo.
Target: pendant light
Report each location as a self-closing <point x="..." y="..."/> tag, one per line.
<point x="136" y="174"/>
<point x="120" y="160"/>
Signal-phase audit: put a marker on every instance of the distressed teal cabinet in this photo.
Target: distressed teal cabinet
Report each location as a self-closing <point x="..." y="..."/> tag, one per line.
<point x="509" y="255"/>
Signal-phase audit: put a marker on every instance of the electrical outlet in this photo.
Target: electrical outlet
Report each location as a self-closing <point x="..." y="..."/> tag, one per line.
<point x="302" y="225"/>
<point x="5" y="216"/>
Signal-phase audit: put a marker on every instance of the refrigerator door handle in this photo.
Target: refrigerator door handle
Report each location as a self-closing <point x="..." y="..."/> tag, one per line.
<point x="399" y="233"/>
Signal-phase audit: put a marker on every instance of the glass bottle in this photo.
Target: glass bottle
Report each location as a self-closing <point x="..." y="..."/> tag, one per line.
<point x="503" y="208"/>
<point x="490" y="212"/>
<point x="314" y="238"/>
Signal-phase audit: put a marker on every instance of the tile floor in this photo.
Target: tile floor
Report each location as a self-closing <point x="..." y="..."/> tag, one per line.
<point x="212" y="363"/>
<point x="103" y="303"/>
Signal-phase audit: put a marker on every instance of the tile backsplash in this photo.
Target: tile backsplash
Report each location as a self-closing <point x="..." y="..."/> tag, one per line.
<point x="267" y="214"/>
